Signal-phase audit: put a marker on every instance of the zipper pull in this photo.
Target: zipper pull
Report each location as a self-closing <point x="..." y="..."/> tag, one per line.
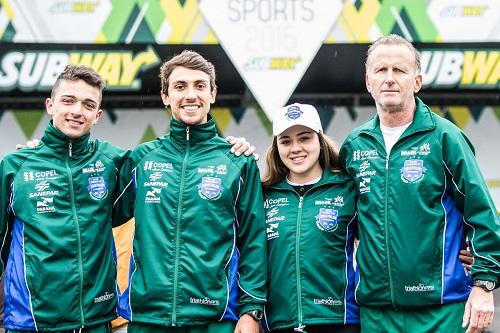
<point x="187" y="133"/>
<point x="300" y="202"/>
<point x="387" y="162"/>
<point x="70" y="147"/>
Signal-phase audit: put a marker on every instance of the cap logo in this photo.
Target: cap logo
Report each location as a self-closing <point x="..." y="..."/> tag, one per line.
<point x="293" y="112"/>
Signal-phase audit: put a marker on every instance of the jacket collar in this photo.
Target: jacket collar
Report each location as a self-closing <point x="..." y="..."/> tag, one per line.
<point x="327" y="178"/>
<point x="57" y="140"/>
<point x="422" y="121"/>
<point x="182" y="133"/>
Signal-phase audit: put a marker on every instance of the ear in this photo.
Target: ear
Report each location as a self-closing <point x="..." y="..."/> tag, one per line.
<point x="418" y="83"/>
<point x="213" y="94"/>
<point x="367" y="83"/>
<point x="49" y="106"/>
<point x="165" y="99"/>
<point x="97" y="116"/>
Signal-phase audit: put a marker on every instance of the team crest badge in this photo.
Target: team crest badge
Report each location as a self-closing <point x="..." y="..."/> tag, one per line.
<point x="97" y="188"/>
<point x="293" y="112"/>
<point x="413" y="171"/>
<point x="210" y="188"/>
<point x="326" y="220"/>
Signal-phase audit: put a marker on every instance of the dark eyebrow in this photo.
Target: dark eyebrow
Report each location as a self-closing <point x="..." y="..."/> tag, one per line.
<point x="305" y="132"/>
<point x="74" y="97"/>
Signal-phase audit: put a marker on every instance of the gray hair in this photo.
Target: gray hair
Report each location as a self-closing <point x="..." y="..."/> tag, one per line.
<point x="394" y="40"/>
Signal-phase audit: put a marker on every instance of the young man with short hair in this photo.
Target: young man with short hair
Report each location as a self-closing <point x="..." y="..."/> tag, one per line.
<point x="55" y="217"/>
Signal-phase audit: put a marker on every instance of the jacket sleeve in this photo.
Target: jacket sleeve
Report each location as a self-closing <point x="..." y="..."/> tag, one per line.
<point x="251" y="241"/>
<point x="5" y="214"/>
<point x="344" y="153"/>
<point x="123" y="205"/>
<point x="472" y="197"/>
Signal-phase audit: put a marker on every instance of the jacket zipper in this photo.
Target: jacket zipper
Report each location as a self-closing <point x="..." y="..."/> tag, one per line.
<point x="178" y="227"/>
<point x="387" y="228"/>
<point x="77" y="225"/>
<point x="297" y="264"/>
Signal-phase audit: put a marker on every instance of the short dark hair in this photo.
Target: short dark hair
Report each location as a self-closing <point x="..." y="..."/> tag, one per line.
<point x="78" y="72"/>
<point x="189" y="59"/>
<point x="394" y="40"/>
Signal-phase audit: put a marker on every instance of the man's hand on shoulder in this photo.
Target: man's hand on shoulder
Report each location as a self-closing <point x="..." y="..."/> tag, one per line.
<point x="30" y="144"/>
<point x="242" y="146"/>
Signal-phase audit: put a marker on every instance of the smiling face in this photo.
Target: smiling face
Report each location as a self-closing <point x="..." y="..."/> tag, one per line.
<point x="74" y="107"/>
<point x="189" y="95"/>
<point x="299" y="150"/>
<point x="392" y="78"/>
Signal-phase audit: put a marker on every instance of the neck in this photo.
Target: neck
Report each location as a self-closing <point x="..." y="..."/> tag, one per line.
<point x="396" y="118"/>
<point x="307" y="177"/>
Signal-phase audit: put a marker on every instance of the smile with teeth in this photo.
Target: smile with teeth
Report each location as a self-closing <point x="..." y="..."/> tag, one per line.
<point x="74" y="122"/>
<point x="191" y="108"/>
<point x="298" y="158"/>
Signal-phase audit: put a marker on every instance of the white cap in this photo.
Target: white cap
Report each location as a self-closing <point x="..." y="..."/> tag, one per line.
<point x="296" y="114"/>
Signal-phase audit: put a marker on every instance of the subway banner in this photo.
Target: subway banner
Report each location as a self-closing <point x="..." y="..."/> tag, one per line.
<point x="336" y="68"/>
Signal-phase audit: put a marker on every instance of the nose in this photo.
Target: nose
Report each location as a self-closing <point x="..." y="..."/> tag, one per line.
<point x="77" y="108"/>
<point x="389" y="79"/>
<point x="190" y="92"/>
<point x="296" y="147"/>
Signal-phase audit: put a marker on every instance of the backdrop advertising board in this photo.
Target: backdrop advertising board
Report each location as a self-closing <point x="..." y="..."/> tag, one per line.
<point x="271" y="43"/>
<point x="463" y="73"/>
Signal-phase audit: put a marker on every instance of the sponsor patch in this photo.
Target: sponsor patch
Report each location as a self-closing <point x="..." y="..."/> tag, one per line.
<point x="326" y="220"/>
<point x="210" y="188"/>
<point x="97" y="188"/>
<point x="413" y="171"/>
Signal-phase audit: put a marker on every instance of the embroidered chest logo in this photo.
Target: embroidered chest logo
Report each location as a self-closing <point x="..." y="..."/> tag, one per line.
<point x="40" y="175"/>
<point x="45" y="205"/>
<point x="210" y="188"/>
<point x="153" y="195"/>
<point x="423" y="150"/>
<point x="364" y="170"/>
<point x="413" y="171"/>
<point x="339" y="201"/>
<point x="155" y="179"/>
<point x="272" y="223"/>
<point x="94" y="167"/>
<point x="326" y="220"/>
<point x="97" y="187"/>
<point x="358" y="155"/>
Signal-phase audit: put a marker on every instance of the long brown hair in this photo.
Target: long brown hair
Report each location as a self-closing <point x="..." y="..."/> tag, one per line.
<point x="276" y="170"/>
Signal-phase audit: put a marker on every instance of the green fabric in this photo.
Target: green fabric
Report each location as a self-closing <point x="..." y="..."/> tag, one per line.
<point x="311" y="273"/>
<point x="193" y="202"/>
<point x="104" y="328"/>
<point x="222" y="327"/>
<point x="442" y="318"/>
<point x="410" y="213"/>
<point x="63" y="234"/>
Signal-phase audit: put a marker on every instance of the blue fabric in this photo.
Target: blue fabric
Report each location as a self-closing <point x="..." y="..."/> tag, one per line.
<point x="454" y="288"/>
<point x="232" y="307"/>
<point x="352" y="308"/>
<point x="124" y="309"/>
<point x="18" y="312"/>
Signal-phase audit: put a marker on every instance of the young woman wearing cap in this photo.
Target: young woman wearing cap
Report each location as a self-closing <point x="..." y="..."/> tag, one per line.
<point x="311" y="220"/>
